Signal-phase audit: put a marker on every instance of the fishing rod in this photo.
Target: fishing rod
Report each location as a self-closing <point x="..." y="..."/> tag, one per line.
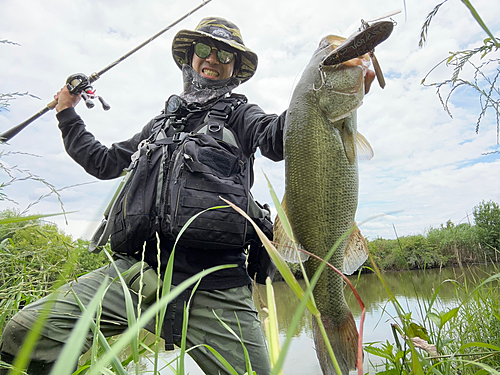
<point x="81" y="84"/>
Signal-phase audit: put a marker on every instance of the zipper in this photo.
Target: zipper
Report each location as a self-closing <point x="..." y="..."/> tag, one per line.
<point x="177" y="179"/>
<point x="177" y="203"/>
<point x="160" y="182"/>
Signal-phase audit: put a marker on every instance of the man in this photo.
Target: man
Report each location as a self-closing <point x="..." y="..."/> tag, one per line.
<point x="214" y="61"/>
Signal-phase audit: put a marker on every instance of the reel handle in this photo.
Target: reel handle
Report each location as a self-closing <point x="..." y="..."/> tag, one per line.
<point x="105" y="105"/>
<point x="89" y="103"/>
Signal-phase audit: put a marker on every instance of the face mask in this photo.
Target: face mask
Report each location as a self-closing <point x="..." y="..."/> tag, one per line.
<point x="200" y="92"/>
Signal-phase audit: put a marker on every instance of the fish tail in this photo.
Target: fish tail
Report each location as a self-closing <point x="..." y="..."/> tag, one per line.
<point x="344" y="341"/>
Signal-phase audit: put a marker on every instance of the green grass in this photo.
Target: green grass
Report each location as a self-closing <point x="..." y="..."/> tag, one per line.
<point x="466" y="338"/>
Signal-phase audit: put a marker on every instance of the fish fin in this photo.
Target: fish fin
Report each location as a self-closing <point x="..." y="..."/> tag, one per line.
<point x="356" y="252"/>
<point x="284" y="244"/>
<point x="344" y="341"/>
<point x="365" y="150"/>
<point x="348" y="139"/>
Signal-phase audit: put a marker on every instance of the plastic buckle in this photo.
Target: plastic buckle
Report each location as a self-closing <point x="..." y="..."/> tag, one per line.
<point x="179" y="137"/>
<point x="176" y="138"/>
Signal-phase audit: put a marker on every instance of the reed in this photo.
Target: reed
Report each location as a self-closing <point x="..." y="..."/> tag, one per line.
<point x="104" y="355"/>
<point x="465" y="338"/>
<point x="459" y="340"/>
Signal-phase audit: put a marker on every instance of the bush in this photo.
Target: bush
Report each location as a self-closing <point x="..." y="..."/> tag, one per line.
<point x="456" y="244"/>
<point x="33" y="253"/>
<point x="487" y="219"/>
<point x="440" y="247"/>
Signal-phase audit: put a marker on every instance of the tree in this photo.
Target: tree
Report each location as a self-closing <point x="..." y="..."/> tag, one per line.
<point x="487" y="219"/>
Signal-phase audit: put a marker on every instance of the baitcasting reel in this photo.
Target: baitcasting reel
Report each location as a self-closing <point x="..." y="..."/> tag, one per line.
<point x="80" y="84"/>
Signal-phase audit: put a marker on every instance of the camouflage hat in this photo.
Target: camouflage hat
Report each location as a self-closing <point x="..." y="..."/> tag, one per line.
<point x="221" y="30"/>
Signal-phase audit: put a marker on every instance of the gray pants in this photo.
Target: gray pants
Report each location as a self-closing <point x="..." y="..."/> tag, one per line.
<point x="203" y="325"/>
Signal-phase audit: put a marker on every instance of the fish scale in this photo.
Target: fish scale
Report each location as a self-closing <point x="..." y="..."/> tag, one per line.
<point x="321" y="181"/>
<point x="321" y="185"/>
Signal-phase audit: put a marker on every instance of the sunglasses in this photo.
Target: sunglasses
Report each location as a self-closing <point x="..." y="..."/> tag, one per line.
<point x="203" y="50"/>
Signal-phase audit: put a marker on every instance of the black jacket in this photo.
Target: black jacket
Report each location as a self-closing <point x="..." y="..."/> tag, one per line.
<point x="253" y="128"/>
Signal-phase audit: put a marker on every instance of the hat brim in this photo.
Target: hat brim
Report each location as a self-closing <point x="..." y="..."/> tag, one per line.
<point x="184" y="39"/>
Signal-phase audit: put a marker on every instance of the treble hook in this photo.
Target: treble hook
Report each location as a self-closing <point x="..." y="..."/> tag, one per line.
<point x="322" y="74"/>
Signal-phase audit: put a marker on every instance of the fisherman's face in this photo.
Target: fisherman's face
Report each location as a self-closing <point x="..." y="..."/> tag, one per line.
<point x="210" y="67"/>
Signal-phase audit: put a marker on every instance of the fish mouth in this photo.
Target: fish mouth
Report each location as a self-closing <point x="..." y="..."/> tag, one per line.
<point x="358" y="44"/>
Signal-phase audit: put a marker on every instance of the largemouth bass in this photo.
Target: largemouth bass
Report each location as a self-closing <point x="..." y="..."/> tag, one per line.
<point x="321" y="190"/>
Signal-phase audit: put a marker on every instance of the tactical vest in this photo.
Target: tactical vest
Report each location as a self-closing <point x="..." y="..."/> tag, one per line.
<point x="174" y="184"/>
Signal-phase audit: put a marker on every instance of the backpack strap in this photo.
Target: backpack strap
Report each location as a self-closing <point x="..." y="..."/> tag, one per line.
<point x="158" y="131"/>
<point x="215" y="121"/>
<point x="218" y="115"/>
<point x="103" y="231"/>
<point x="217" y="118"/>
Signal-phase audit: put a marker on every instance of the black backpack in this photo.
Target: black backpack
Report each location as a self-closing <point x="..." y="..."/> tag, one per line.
<point x="163" y="189"/>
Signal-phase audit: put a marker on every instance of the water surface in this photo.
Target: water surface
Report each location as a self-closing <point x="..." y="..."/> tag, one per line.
<point x="412" y="289"/>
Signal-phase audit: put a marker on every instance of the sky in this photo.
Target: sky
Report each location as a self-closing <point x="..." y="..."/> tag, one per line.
<point x="428" y="167"/>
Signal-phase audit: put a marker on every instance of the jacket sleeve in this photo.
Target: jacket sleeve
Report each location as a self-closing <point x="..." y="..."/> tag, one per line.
<point x="256" y="129"/>
<point x="97" y="159"/>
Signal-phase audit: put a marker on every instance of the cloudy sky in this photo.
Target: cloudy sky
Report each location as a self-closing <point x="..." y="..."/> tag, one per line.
<point x="428" y="167"/>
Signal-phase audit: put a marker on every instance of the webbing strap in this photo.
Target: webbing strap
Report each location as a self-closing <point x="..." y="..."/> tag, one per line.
<point x="215" y="123"/>
<point x="217" y="118"/>
<point x="174" y="317"/>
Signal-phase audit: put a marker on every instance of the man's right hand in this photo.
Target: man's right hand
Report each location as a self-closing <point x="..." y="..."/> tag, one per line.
<point x="65" y="99"/>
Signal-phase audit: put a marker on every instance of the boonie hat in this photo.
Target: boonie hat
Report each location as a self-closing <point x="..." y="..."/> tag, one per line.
<point x="221" y="30"/>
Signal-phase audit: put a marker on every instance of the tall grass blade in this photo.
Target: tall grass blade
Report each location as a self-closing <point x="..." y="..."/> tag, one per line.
<point x="478" y="19"/>
<point x="271" y="324"/>
<point x="278" y="261"/>
<point x="416" y="365"/>
<point x="73" y="346"/>
<point x="167" y="284"/>
<point x="221" y="359"/>
<point x="129" y="305"/>
<point x="284" y="219"/>
<point x="230" y="330"/>
<point x="18" y="219"/>
<point x="115" y="363"/>
<point x="185" y="321"/>
<point x="21" y="360"/>
<point x="415" y="361"/>
<point x="292" y="328"/>
<point x="490" y="370"/>
<point x="314" y="280"/>
<point x="149" y="314"/>
<point x="294" y="285"/>
<point x="481" y="345"/>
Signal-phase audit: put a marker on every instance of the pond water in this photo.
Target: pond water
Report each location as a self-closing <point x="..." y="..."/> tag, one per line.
<point x="412" y="289"/>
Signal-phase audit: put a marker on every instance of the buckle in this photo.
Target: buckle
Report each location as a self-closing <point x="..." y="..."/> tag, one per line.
<point x="214" y="127"/>
<point x="179" y="137"/>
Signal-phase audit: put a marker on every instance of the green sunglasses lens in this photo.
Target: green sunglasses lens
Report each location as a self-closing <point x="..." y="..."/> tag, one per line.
<point x="203" y="50"/>
<point x="225" y="57"/>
